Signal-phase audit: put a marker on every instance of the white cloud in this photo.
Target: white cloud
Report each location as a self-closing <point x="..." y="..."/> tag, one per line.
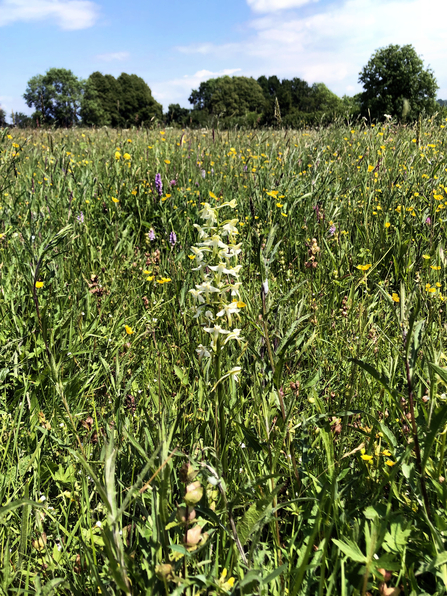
<point x="274" y="5"/>
<point x="178" y="90"/>
<point x="68" y="14"/>
<point x="111" y="56"/>
<point x="334" y="44"/>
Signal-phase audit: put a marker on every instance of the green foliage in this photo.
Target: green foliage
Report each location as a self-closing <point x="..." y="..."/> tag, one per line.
<point x="2" y="117"/>
<point x="21" y="120"/>
<point x="123" y="102"/>
<point x="177" y="115"/>
<point x="111" y="451"/>
<point x="137" y="107"/>
<point x="100" y="104"/>
<point x="227" y="97"/>
<point x="55" y="96"/>
<point x="300" y="104"/>
<point x="396" y="83"/>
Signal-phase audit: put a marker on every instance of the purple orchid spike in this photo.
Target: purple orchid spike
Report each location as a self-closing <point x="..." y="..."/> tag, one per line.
<point x="158" y="184"/>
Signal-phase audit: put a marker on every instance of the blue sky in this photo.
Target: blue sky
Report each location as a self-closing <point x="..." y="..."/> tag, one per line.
<point x="176" y="44"/>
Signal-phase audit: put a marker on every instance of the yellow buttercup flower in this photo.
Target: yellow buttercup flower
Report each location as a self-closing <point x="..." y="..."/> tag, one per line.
<point x="115" y="200"/>
<point x="39" y="284"/>
<point x="126" y="156"/>
<point x="390" y="463"/>
<point x="364" y="267"/>
<point x="129" y="330"/>
<point x="395" y="297"/>
<point x="387" y="224"/>
<point x="367" y="458"/>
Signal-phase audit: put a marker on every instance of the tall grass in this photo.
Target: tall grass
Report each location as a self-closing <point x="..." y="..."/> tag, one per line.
<point x="126" y="466"/>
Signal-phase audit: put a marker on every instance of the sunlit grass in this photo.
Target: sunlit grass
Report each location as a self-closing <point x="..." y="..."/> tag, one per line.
<point x="330" y="464"/>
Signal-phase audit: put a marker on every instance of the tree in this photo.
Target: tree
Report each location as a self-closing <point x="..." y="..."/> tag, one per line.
<point x="2" y="117"/>
<point x="55" y="96"/>
<point x="120" y="102"/>
<point x="396" y="83"/>
<point x="136" y="104"/>
<point x="177" y="115"/>
<point x="228" y="97"/>
<point x="21" y="120"/>
<point x="100" y="104"/>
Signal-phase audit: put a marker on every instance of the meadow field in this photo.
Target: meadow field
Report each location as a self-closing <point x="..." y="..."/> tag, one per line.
<point x="223" y="364"/>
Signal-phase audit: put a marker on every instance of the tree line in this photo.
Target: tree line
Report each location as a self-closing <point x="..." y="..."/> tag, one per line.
<point x="395" y="83"/>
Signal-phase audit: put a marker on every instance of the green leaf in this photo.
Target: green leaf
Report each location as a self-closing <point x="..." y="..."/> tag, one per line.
<point x="350" y="549"/>
<point x="274" y="574"/>
<point x="255" y="516"/>
<point x="438" y="422"/>
<point x="441" y="372"/>
<point x="382" y="379"/>
<point x="397" y="537"/>
<point x="428" y="566"/>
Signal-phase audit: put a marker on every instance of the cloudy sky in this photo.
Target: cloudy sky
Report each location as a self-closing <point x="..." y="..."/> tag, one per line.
<point x="175" y="44"/>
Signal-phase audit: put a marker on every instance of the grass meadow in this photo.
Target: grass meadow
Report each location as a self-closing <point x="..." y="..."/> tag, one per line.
<point x="222" y="361"/>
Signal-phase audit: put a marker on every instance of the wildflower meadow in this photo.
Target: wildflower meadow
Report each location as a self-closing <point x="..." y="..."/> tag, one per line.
<point x="223" y="362"/>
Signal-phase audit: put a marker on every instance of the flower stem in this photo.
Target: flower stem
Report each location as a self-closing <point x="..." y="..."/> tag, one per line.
<point x="220" y="411"/>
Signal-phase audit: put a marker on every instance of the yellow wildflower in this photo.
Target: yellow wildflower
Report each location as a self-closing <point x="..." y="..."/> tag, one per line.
<point x="367" y="458"/>
<point x="39" y="284"/>
<point x="395" y="297"/>
<point x="129" y="330"/>
<point x="364" y="267"/>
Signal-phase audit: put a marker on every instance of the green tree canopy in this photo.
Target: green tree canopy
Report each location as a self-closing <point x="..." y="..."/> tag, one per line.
<point x="136" y="104"/>
<point x="177" y="115"/>
<point x="56" y="97"/>
<point x="396" y="83"/>
<point x="21" y="120"/>
<point x="122" y="102"/>
<point x="2" y="117"/>
<point x="100" y="105"/>
<point x="299" y="103"/>
<point x="228" y="96"/>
